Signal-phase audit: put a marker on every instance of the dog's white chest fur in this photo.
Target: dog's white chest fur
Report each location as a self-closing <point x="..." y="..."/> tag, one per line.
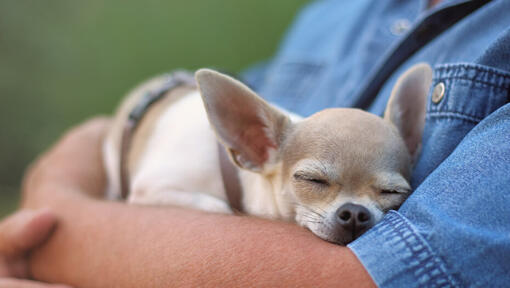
<point x="180" y="154"/>
<point x="180" y="165"/>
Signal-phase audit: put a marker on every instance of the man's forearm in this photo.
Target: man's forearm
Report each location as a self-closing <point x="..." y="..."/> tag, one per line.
<point x="107" y="244"/>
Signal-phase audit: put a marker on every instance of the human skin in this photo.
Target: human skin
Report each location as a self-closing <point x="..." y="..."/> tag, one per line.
<point x="20" y="233"/>
<point x="108" y="244"/>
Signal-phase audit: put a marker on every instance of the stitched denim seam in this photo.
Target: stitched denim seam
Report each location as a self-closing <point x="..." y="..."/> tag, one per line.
<point x="474" y="77"/>
<point x="449" y="114"/>
<point x="401" y="225"/>
<point x="495" y="85"/>
<point x="455" y="67"/>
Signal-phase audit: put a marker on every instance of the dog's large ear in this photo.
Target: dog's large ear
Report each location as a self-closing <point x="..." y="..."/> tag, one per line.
<point x="407" y="105"/>
<point x="249" y="128"/>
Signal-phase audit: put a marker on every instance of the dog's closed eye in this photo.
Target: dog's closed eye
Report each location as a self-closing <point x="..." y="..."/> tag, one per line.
<point x="391" y="184"/>
<point x="394" y="189"/>
<point x="391" y="191"/>
<point x="314" y="179"/>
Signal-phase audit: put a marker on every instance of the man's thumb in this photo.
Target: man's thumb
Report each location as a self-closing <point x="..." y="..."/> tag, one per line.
<point x="25" y="230"/>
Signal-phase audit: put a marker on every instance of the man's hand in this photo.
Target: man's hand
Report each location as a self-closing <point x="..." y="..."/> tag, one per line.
<point x="19" y="234"/>
<point x="26" y="230"/>
<point x="73" y="163"/>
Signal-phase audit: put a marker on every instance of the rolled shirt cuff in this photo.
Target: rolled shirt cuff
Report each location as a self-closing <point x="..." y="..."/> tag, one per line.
<point x="395" y="254"/>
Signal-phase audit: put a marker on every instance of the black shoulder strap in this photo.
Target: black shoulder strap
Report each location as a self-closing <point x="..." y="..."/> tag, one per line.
<point x="430" y="26"/>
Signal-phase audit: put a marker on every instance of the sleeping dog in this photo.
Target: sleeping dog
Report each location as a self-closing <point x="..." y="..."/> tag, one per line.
<point x="336" y="172"/>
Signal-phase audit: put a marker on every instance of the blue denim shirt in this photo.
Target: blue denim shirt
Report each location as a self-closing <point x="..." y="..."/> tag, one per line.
<point x="454" y="230"/>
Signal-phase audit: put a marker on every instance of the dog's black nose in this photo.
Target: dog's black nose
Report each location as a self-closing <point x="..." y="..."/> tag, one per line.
<point x="354" y="218"/>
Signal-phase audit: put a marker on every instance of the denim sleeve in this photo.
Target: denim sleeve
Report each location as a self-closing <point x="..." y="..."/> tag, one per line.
<point x="454" y="230"/>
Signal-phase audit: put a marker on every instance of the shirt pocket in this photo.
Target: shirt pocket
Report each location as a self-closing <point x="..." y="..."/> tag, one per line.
<point x="291" y="83"/>
<point x="461" y="95"/>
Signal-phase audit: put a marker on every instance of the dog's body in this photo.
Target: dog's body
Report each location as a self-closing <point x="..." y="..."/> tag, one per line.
<point x="335" y="172"/>
<point x="174" y="135"/>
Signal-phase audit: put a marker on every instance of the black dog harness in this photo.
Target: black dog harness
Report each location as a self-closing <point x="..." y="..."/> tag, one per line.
<point x="176" y="79"/>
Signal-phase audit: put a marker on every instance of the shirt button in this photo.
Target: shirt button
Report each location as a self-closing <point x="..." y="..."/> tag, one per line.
<point x="438" y="93"/>
<point x="400" y="27"/>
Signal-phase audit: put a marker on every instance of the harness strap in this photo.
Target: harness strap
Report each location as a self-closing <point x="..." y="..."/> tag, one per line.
<point x="175" y="79"/>
<point x="229" y="172"/>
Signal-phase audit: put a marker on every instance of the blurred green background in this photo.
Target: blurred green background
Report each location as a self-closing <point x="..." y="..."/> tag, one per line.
<point x="62" y="61"/>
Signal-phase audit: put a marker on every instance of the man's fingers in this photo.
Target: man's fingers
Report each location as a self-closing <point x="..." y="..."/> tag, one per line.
<point x="83" y="144"/>
<point x="90" y="133"/>
<point x="16" y="283"/>
<point x="24" y="230"/>
<point x="92" y="130"/>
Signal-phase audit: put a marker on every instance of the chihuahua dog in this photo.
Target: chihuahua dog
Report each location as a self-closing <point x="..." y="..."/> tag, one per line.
<point x="336" y="172"/>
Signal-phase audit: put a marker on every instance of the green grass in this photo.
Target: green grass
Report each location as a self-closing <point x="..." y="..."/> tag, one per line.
<point x="9" y="198"/>
<point x="62" y="61"/>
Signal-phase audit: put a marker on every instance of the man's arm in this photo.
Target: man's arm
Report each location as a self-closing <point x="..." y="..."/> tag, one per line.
<point x="106" y="244"/>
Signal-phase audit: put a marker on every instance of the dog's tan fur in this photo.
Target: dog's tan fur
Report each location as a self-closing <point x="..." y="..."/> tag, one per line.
<point x="290" y="168"/>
